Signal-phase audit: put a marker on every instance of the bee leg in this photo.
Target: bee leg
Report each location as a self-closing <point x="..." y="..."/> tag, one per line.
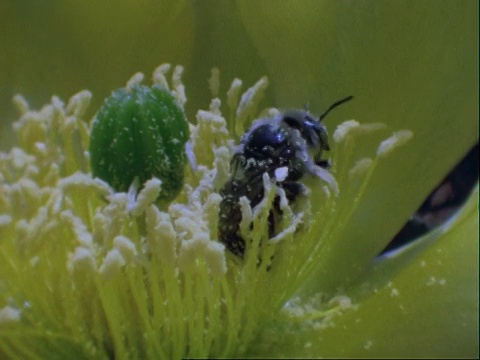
<point x="271" y="221"/>
<point x="326" y="164"/>
<point x="234" y="243"/>
<point x="230" y="217"/>
<point x="292" y="190"/>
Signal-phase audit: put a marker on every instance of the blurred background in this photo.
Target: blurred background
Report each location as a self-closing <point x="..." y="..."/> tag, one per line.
<point x="58" y="47"/>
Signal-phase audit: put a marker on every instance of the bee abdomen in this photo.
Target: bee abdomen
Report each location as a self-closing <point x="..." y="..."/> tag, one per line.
<point x="230" y="217"/>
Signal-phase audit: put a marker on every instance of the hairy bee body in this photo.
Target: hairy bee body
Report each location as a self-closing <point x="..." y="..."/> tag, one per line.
<point x="294" y="141"/>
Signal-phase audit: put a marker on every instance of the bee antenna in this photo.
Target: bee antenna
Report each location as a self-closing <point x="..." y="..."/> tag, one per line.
<point x="334" y="105"/>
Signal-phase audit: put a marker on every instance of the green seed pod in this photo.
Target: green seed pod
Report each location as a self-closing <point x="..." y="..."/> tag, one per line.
<point x="140" y="132"/>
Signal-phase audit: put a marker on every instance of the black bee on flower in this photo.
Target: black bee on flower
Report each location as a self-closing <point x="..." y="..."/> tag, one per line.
<point x="292" y="141"/>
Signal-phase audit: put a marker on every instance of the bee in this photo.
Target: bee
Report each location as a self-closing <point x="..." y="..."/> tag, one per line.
<point x="293" y="140"/>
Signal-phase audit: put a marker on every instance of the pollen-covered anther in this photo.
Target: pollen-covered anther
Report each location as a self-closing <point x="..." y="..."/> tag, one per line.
<point x="82" y="235"/>
<point x="161" y="235"/>
<point x="126" y="247"/>
<point x="186" y="227"/>
<point x="360" y="168"/>
<point x="342" y="130"/>
<point x="178" y="87"/>
<point x="209" y="134"/>
<point x="136" y="79"/>
<point x="79" y="179"/>
<point x="82" y="259"/>
<point x="30" y="190"/>
<point x="30" y="232"/>
<point x="270" y="112"/>
<point x="210" y="210"/>
<point x="222" y="165"/>
<point x="202" y="248"/>
<point x="211" y="122"/>
<point x="118" y="205"/>
<point x="159" y="75"/>
<point x="353" y="128"/>
<point x="247" y="215"/>
<point x="112" y="264"/>
<point x="233" y="94"/>
<point x="215" y="106"/>
<point x="21" y="159"/>
<point x="248" y="104"/>
<point x="251" y="97"/>
<point x="21" y="103"/>
<point x="397" y="139"/>
<point x="9" y="314"/>
<point x="79" y="103"/>
<point x="147" y="195"/>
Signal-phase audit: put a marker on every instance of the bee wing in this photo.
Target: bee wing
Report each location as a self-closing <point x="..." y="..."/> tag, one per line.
<point x="237" y="166"/>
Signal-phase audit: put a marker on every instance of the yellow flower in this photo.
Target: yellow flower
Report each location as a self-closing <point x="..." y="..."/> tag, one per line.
<point x="170" y="290"/>
<point x="83" y="270"/>
<point x="90" y="271"/>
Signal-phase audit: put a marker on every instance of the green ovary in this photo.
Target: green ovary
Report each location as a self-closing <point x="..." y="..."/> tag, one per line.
<point x="140" y="132"/>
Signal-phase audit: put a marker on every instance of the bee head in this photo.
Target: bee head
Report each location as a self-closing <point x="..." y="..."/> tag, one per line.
<point x="311" y="129"/>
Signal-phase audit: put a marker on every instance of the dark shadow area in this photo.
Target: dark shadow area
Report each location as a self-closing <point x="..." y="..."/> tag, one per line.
<point x="442" y="203"/>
